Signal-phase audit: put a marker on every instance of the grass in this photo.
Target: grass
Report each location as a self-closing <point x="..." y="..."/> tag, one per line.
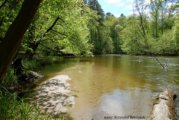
<point x="53" y="57"/>
<point x="50" y="57"/>
<point x="13" y="107"/>
<point x="37" y="64"/>
<point x="10" y="79"/>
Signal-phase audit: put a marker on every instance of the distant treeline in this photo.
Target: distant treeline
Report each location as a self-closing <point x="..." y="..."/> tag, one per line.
<point x="80" y="27"/>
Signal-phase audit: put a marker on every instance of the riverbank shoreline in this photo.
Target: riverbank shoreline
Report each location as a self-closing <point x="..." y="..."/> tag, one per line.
<point x="25" y="90"/>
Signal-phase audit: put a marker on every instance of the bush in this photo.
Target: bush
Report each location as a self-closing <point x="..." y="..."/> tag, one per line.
<point x="10" y="79"/>
<point x="36" y="64"/>
<point x="16" y="108"/>
<point x="11" y="107"/>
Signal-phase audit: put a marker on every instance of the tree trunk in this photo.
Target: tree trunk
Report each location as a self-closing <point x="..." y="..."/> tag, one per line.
<point x="142" y="22"/>
<point x="162" y="21"/>
<point x="156" y="25"/>
<point x="33" y="46"/>
<point x="34" y="51"/>
<point x="31" y="37"/>
<point x="15" y="34"/>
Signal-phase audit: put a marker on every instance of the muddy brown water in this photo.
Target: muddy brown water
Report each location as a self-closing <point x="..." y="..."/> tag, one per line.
<point x="112" y="85"/>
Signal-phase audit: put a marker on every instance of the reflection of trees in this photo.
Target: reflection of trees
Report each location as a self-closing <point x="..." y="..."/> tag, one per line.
<point x="130" y="81"/>
<point x="108" y="75"/>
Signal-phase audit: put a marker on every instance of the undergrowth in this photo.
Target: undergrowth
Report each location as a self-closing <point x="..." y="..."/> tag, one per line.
<point x="13" y="107"/>
<point x="37" y="64"/>
<point x="10" y="79"/>
<point x="52" y="57"/>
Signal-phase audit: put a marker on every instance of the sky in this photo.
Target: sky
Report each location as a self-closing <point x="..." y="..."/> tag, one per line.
<point x="117" y="7"/>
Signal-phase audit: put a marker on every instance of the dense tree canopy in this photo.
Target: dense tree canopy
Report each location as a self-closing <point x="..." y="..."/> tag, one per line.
<point x="14" y="35"/>
<point x="80" y="27"/>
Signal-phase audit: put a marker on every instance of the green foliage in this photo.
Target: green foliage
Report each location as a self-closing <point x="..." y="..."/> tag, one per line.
<point x="36" y="64"/>
<point x="12" y="108"/>
<point x="166" y="43"/>
<point x="176" y="34"/>
<point x="80" y="27"/>
<point x="25" y="72"/>
<point x="69" y="33"/>
<point x="53" y="57"/>
<point x="10" y="79"/>
<point x="16" y="108"/>
<point x="7" y="14"/>
<point x="133" y="41"/>
<point x="160" y="32"/>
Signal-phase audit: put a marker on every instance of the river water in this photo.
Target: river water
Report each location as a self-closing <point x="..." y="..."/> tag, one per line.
<point x="110" y="85"/>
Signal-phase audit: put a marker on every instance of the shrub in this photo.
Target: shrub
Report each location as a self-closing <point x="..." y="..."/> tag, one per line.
<point x="10" y="79"/>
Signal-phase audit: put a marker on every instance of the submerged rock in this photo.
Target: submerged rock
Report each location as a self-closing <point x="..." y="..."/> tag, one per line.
<point x="163" y="107"/>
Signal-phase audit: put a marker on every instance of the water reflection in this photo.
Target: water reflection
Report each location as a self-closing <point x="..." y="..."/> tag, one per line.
<point x="118" y="85"/>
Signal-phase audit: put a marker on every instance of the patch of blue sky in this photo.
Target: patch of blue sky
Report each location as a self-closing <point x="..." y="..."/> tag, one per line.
<point x="117" y="7"/>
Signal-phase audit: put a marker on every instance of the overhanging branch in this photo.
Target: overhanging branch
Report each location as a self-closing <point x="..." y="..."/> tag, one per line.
<point x="50" y="28"/>
<point x="59" y="33"/>
<point x="51" y="49"/>
<point x="159" y="62"/>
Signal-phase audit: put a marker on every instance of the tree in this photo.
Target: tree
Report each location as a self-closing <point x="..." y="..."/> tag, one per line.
<point x="109" y="14"/>
<point x="140" y="7"/>
<point x="122" y="15"/>
<point x="156" y="6"/>
<point x="8" y="12"/>
<point x="64" y="25"/>
<point x="133" y="40"/>
<point x="15" y="33"/>
<point x="85" y="1"/>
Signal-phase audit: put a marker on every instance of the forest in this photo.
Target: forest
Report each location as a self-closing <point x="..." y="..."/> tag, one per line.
<point x="39" y="28"/>
<point x="82" y="28"/>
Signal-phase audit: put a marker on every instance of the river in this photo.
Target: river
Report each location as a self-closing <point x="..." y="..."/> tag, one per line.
<point x="108" y="85"/>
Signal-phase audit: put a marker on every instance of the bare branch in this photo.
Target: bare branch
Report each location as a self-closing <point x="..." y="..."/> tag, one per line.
<point x="141" y="17"/>
<point x="52" y="25"/>
<point x="159" y="62"/>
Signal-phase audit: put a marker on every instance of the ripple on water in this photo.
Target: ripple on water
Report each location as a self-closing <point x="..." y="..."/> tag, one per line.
<point x="118" y="85"/>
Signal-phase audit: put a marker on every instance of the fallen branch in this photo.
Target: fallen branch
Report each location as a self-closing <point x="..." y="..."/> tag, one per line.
<point x="160" y="62"/>
<point x="163" y="107"/>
